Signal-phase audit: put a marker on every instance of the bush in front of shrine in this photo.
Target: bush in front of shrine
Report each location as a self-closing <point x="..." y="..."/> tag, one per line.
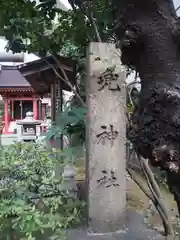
<point x="31" y="204"/>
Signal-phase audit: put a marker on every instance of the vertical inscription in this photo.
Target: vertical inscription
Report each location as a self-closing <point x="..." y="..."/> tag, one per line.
<point x="108" y="133"/>
<point x="109" y="79"/>
<point x="108" y="179"/>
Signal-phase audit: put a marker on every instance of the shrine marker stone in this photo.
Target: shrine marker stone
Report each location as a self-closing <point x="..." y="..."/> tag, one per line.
<point x="106" y="139"/>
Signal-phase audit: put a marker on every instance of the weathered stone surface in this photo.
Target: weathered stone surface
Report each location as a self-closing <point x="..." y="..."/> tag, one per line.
<point x="106" y="138"/>
<point x="136" y="230"/>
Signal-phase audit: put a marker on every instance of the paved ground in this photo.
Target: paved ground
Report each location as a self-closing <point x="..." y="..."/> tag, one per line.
<point x="137" y="230"/>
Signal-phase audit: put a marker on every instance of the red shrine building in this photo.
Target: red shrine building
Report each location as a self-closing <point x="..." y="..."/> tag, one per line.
<point x="18" y="97"/>
<point x="24" y="87"/>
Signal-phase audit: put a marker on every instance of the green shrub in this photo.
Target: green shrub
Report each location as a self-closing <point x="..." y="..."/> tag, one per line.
<point x="31" y="204"/>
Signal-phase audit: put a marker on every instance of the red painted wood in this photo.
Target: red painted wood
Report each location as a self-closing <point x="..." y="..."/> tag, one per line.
<point x="35" y="110"/>
<point x="20" y="98"/>
<point x="10" y="95"/>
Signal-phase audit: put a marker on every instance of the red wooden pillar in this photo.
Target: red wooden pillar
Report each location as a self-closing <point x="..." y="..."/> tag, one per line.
<point x="6" y="118"/>
<point x="35" y="110"/>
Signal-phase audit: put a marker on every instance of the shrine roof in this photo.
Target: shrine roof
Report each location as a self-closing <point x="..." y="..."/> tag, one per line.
<point x="10" y="77"/>
<point x="40" y="73"/>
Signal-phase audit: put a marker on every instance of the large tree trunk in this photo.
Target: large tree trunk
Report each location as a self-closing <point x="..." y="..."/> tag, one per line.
<point x="149" y="34"/>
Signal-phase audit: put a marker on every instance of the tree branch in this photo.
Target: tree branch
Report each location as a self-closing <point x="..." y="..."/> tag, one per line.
<point x="143" y="189"/>
<point x="66" y="80"/>
<point x="89" y="16"/>
<point x="166" y="223"/>
<point x="159" y="204"/>
<point x="155" y="195"/>
<point x="95" y="27"/>
<point x="177" y="8"/>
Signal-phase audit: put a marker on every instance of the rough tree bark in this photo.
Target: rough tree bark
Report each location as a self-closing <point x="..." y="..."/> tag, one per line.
<point x="149" y="34"/>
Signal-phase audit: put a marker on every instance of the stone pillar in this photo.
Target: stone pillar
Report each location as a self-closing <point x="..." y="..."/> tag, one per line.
<point x="106" y="138"/>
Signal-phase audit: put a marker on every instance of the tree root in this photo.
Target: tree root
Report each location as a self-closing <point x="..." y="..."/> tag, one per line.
<point x="155" y="195"/>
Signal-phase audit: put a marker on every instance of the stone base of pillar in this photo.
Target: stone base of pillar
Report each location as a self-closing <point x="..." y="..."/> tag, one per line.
<point x="136" y="230"/>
